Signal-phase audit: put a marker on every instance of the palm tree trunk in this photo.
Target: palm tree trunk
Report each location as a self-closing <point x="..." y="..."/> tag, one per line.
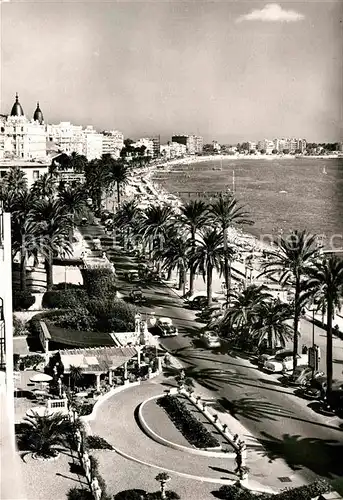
<point x="329" y="346"/>
<point x="181" y="278"/>
<point x="192" y="268"/>
<point x="209" y="284"/>
<point x="23" y="270"/>
<point x="296" y="323"/>
<point x="49" y="271"/>
<point x="118" y="194"/>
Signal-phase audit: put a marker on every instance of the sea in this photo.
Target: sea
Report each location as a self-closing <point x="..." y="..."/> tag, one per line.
<point x="280" y="194"/>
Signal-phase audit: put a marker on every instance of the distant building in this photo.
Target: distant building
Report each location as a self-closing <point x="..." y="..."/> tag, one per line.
<point x="33" y="169"/>
<point x="21" y="137"/>
<point x="216" y="146"/>
<point x="66" y="137"/>
<point x="92" y="143"/>
<point x="112" y="143"/>
<point x="194" y="144"/>
<point x="252" y="146"/>
<point x="340" y="146"/>
<point x="266" y="145"/>
<point x="157" y="145"/>
<point x="148" y="144"/>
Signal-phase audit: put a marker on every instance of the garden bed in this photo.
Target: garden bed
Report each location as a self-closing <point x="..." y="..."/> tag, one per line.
<point x="193" y="430"/>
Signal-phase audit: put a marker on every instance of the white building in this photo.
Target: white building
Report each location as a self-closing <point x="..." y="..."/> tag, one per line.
<point x="112" y="143"/>
<point x="20" y="137"/>
<point x="92" y="143"/>
<point x="266" y="145"/>
<point x="33" y="169"/>
<point x="252" y="146"/>
<point x="67" y="137"/>
<point x="147" y="143"/>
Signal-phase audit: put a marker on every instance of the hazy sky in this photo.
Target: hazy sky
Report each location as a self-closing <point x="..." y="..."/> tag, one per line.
<point x="228" y="70"/>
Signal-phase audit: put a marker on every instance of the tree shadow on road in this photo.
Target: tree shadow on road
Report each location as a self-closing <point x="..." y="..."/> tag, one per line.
<point x="252" y="409"/>
<point x="323" y="457"/>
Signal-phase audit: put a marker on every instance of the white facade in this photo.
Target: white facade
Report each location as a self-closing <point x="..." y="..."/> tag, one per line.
<point x="252" y="146"/>
<point x="112" y="143"/>
<point x="147" y="143"/>
<point x="267" y="145"/>
<point x="23" y="139"/>
<point x="33" y="170"/>
<point x="67" y="137"/>
<point x="92" y="143"/>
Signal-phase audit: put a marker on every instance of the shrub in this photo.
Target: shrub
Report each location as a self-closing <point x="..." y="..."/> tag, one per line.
<point x="32" y="360"/>
<point x="113" y="315"/>
<point x="99" y="282"/>
<point x="98" y="443"/>
<point x="85" y="409"/>
<point x="79" y="494"/>
<point x="22" y="300"/>
<point x="170" y="495"/>
<point x="101" y="481"/>
<point x="193" y="430"/>
<point x="19" y="327"/>
<point x="63" y="299"/>
<point x="77" y="319"/>
<point x="131" y="495"/>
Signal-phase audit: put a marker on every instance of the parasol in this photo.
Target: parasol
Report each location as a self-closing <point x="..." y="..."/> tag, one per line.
<point x="41" y="377"/>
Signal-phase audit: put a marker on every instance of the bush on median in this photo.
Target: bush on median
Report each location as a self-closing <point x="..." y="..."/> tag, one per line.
<point x="193" y="430"/>
<point x="63" y="299"/>
<point x="99" y="282"/>
<point x="22" y="300"/>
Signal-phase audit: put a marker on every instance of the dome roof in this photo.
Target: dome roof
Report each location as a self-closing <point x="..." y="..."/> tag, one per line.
<point x="38" y="115"/>
<point x="17" y="110"/>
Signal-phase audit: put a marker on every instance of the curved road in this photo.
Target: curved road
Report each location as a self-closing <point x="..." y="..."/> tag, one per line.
<point x="309" y="443"/>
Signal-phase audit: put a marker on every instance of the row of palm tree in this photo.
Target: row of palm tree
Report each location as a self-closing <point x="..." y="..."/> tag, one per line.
<point x="42" y="218"/>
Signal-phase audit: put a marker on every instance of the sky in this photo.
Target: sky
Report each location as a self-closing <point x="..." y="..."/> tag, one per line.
<point x="227" y="70"/>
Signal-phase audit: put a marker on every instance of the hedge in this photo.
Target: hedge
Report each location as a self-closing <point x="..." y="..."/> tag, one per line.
<point x="189" y="426"/>
<point x="99" y="282"/>
<point x="22" y="300"/>
<point x="306" y="492"/>
<point x="63" y="299"/>
<point x="79" y="494"/>
<point x="98" y="443"/>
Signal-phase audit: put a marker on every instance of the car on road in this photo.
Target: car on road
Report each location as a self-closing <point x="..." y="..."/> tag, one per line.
<point x="165" y="327"/>
<point x="316" y="389"/>
<point x="210" y="339"/>
<point x="302" y="375"/>
<point x="208" y="313"/>
<point x="283" y="362"/>
<point x="269" y="354"/>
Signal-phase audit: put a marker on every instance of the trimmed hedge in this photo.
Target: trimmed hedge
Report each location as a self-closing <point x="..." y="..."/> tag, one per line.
<point x="22" y="300"/>
<point x="189" y="426"/>
<point x="79" y="494"/>
<point x="306" y="492"/>
<point x="63" y="299"/>
<point x="99" y="282"/>
<point x="113" y="315"/>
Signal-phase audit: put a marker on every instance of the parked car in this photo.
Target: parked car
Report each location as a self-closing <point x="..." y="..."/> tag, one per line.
<point x="136" y="296"/>
<point x="207" y="313"/>
<point x="302" y="375"/>
<point x="165" y="327"/>
<point x="198" y="302"/>
<point x="283" y="362"/>
<point x="210" y="339"/>
<point x="316" y="389"/>
<point x="335" y="399"/>
<point x="269" y="354"/>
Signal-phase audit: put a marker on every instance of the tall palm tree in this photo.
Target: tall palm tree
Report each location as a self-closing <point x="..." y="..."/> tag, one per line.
<point x="44" y="186"/>
<point x="271" y="323"/>
<point x="243" y="310"/>
<point x="74" y="200"/>
<point x="43" y="433"/>
<point x="208" y="255"/>
<point x="226" y="212"/>
<point x="325" y="283"/>
<point x="119" y="173"/>
<point x="155" y="222"/>
<point x="52" y="229"/>
<point x="15" y="181"/>
<point x="290" y="261"/>
<point x="193" y="217"/>
<point x="96" y="181"/>
<point x="128" y="217"/>
<point x="175" y="255"/>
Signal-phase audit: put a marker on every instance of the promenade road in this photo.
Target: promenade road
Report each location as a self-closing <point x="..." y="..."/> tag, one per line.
<point x="307" y="442"/>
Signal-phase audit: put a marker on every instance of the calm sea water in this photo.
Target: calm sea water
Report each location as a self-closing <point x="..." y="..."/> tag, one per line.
<point x="280" y="194"/>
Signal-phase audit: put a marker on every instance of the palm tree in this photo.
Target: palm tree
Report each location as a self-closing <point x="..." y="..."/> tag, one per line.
<point x="75" y="375"/>
<point x="193" y="217"/>
<point x="15" y="181"/>
<point x="208" y="255"/>
<point x="23" y="232"/>
<point x="175" y="255"/>
<point x="243" y="311"/>
<point x="96" y="181"/>
<point x="128" y="217"/>
<point x="44" y="186"/>
<point x="291" y="261"/>
<point x="155" y="222"/>
<point x="271" y="323"/>
<point x="163" y="478"/>
<point x="74" y="201"/>
<point x="325" y="283"/>
<point x="43" y="433"/>
<point x="78" y="162"/>
<point x="226" y="212"/>
<point x="52" y="229"/>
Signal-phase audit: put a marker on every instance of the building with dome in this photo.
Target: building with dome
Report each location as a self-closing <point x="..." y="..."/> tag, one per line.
<point x="20" y="137"/>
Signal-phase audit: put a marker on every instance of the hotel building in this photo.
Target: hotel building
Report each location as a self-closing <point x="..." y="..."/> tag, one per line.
<point x="112" y="143"/>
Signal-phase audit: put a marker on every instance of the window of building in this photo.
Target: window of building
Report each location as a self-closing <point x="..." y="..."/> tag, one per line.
<point x="35" y="175"/>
